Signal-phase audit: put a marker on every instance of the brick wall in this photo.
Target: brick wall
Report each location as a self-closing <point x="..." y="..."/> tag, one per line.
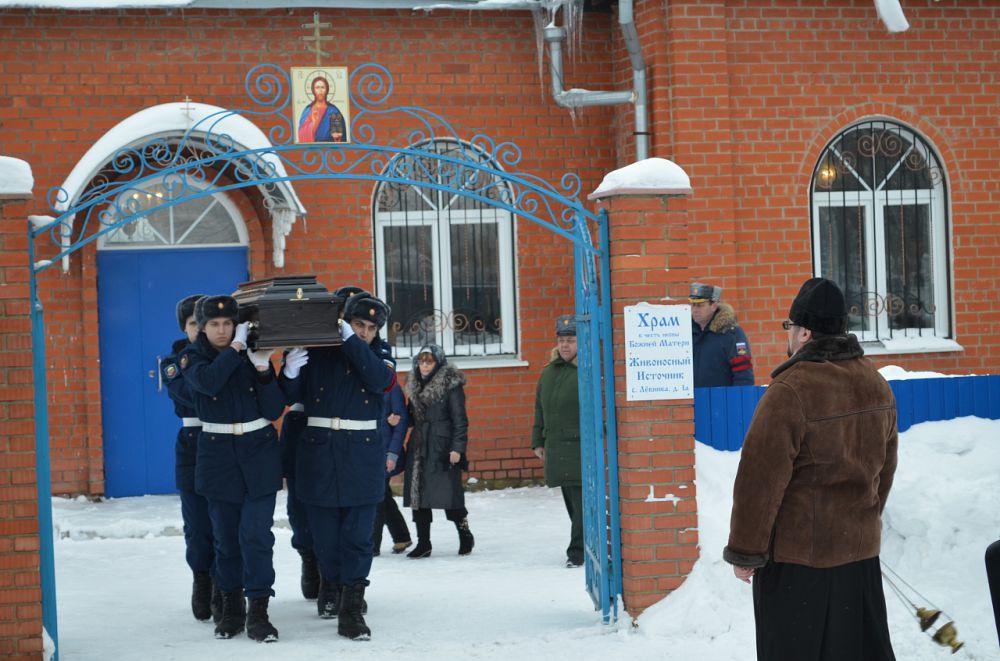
<point x="20" y="589"/>
<point x="757" y="89"/>
<point x="66" y="78"/>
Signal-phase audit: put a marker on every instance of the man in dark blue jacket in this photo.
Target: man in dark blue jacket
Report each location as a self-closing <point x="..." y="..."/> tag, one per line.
<point x="340" y="460"/>
<point x="721" y="350"/>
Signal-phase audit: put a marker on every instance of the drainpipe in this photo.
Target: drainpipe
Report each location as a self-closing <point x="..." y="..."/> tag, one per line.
<point x="555" y="35"/>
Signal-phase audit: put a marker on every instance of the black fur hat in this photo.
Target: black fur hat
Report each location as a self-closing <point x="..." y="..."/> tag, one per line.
<point x="348" y="290"/>
<point x="213" y="307"/>
<point x="820" y="307"/>
<point x="363" y="305"/>
<point x="185" y="308"/>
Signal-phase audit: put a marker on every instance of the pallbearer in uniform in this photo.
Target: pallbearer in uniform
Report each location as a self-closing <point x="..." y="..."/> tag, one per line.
<point x="200" y="551"/>
<point x="340" y="460"/>
<point x="239" y="461"/>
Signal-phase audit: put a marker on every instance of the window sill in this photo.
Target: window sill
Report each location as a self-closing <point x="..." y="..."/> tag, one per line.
<point x="472" y="362"/>
<point x="910" y="345"/>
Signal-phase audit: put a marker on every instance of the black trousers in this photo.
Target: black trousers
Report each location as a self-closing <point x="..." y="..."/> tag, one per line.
<point x="993" y="577"/>
<point x="573" y="499"/>
<point x="387" y="514"/>
<point x="809" y="614"/>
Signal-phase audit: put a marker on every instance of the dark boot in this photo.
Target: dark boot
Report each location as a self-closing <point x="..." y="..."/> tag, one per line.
<point x="201" y="596"/>
<point x="328" y="599"/>
<point x="234" y="615"/>
<point x="423" y="547"/>
<point x="465" y="539"/>
<point x="259" y="628"/>
<point x="351" y="623"/>
<point x="310" y="575"/>
<point x="216" y="603"/>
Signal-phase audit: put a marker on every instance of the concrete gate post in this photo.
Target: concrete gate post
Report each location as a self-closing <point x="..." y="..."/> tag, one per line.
<point x="659" y="522"/>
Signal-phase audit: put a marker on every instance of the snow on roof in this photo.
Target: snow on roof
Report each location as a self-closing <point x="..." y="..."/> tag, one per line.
<point x="652" y="176"/>
<point x="171" y="119"/>
<point x="15" y="178"/>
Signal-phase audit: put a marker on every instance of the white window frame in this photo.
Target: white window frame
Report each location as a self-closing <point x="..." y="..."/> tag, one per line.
<point x="441" y="219"/>
<point x="875" y="204"/>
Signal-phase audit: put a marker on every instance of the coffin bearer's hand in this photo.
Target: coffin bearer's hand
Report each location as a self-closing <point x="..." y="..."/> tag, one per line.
<point x="260" y="359"/>
<point x="345" y="330"/>
<point x="294" y="360"/>
<point x="240" y="336"/>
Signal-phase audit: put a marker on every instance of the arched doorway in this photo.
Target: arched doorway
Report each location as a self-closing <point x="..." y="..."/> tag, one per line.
<point x="198" y="246"/>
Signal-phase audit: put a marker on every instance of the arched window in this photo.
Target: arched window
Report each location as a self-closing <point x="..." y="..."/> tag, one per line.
<point x="209" y="221"/>
<point x="880" y="230"/>
<point x="445" y="262"/>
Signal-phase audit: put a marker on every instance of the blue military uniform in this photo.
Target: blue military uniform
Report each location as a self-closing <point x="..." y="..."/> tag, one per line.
<point x="340" y="459"/>
<point x="194" y="508"/>
<point x="238" y="472"/>
<point x="340" y="473"/>
<point x="721" y="352"/>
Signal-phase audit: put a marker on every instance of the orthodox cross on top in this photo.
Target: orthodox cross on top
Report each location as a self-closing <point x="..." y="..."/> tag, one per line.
<point x="187" y="107"/>
<point x="316" y="38"/>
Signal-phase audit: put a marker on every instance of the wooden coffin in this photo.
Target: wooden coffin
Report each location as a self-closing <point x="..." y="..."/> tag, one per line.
<point x="289" y="311"/>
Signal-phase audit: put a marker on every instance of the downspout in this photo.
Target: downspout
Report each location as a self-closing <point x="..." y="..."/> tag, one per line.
<point x="555" y="35"/>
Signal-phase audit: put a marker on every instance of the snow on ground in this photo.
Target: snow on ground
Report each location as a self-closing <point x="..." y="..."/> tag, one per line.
<point x="123" y="587"/>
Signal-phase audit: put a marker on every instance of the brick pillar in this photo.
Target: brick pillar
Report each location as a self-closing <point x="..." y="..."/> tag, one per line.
<point x="20" y="585"/>
<point x="659" y="522"/>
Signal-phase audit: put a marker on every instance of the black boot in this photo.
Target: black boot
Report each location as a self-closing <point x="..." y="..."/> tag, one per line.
<point x="234" y="615"/>
<point x="351" y="623"/>
<point x="259" y="628"/>
<point x="423" y="547"/>
<point x="328" y="599"/>
<point x="310" y="575"/>
<point x="465" y="539"/>
<point x="201" y="596"/>
<point x="216" y="603"/>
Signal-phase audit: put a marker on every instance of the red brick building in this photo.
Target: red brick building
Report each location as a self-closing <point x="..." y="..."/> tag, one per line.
<point x="816" y="143"/>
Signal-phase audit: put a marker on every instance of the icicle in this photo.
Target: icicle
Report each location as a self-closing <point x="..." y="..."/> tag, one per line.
<point x="282" y="219"/>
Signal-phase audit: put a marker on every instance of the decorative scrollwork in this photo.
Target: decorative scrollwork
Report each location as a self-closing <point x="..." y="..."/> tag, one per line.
<point x="208" y="155"/>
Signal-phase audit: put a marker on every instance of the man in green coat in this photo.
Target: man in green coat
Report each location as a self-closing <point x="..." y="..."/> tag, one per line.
<point x="555" y="437"/>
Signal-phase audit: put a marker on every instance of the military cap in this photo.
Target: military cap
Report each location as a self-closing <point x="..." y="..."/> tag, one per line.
<point x="702" y="293"/>
<point x="213" y="307"/>
<point x="566" y="325"/>
<point x="185" y="308"/>
<point x="363" y="305"/>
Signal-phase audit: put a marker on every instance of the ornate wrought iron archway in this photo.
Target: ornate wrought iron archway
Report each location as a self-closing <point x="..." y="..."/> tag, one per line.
<point x="206" y="159"/>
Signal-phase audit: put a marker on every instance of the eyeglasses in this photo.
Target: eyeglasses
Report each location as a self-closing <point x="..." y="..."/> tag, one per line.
<point x="786" y="324"/>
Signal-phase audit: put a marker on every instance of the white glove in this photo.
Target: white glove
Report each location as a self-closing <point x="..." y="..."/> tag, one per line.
<point x="345" y="330"/>
<point x="260" y="359"/>
<point x="241" y="333"/>
<point x="294" y="360"/>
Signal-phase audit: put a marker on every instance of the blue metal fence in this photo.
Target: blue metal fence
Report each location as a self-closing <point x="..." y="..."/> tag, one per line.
<point x="722" y="415"/>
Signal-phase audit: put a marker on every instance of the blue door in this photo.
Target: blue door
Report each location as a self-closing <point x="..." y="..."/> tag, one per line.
<point x="137" y="291"/>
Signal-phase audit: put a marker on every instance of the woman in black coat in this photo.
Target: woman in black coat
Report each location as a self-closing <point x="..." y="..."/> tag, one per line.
<point x="435" y="456"/>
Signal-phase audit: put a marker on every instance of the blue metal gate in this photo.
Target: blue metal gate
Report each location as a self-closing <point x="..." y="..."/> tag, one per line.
<point x="206" y="160"/>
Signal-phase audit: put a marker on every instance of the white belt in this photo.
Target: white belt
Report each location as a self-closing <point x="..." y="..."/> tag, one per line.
<point x="299" y="408"/>
<point x="236" y="429"/>
<point x="340" y="423"/>
<point x="190" y="422"/>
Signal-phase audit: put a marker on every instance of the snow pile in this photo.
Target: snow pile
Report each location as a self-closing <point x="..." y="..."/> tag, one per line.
<point x="15" y="177"/>
<point x="651" y="176"/>
<point x="897" y="373"/>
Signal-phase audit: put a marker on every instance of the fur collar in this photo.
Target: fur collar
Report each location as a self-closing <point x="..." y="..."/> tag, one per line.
<point x="423" y="396"/>
<point x="724" y="319"/>
<point x="833" y="347"/>
<point x="554" y="356"/>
